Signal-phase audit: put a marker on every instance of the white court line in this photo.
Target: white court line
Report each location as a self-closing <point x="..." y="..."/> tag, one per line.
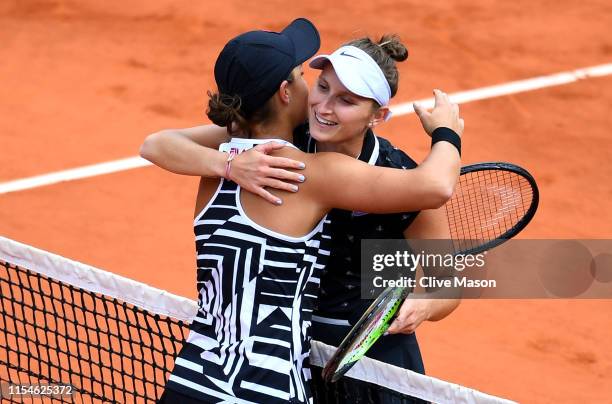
<point x="462" y="97"/>
<point x="512" y="87"/>
<point x="73" y="174"/>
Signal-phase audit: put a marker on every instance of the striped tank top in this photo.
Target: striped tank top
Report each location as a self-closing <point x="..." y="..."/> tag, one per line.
<point x="249" y="342"/>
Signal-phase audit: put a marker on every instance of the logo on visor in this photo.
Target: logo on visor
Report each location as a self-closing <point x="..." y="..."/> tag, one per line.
<point x="346" y="54"/>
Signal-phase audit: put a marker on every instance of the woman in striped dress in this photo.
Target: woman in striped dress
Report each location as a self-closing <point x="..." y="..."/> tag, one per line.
<point x="257" y="263"/>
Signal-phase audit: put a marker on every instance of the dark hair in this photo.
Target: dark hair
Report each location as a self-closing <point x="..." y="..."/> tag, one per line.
<point x="386" y="52"/>
<point x="224" y="110"/>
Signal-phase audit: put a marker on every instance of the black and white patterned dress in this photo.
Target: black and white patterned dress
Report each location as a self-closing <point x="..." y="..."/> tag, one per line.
<point x="257" y="290"/>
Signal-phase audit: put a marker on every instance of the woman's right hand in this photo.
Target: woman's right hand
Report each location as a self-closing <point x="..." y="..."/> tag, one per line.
<point x="254" y="170"/>
<point x="444" y="114"/>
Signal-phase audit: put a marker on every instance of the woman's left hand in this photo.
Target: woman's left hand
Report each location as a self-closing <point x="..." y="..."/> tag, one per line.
<point x="412" y="313"/>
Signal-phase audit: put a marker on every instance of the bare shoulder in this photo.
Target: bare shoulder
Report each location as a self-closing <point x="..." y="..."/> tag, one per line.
<point x="318" y="162"/>
<point x="290" y="152"/>
<point x="296" y="154"/>
<point x="339" y="166"/>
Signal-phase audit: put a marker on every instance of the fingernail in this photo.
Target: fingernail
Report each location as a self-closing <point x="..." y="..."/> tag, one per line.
<point x="295" y="188"/>
<point x="386" y="333"/>
<point x="302" y="178"/>
<point x="302" y="165"/>
<point x="279" y="202"/>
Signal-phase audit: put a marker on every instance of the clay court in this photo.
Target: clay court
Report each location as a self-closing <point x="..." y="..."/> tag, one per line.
<point x="84" y="82"/>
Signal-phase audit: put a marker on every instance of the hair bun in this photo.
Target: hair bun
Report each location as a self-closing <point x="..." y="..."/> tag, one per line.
<point x="223" y="109"/>
<point x="394" y="47"/>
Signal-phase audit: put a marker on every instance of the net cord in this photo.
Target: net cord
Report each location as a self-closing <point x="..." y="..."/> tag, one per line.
<point x="83" y="276"/>
<point x="406" y="381"/>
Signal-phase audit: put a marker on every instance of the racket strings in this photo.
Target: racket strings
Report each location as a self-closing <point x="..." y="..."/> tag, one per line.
<point x="486" y="205"/>
<point x="485" y="202"/>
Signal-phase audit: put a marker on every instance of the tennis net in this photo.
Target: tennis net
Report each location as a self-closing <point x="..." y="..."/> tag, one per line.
<point x="112" y="339"/>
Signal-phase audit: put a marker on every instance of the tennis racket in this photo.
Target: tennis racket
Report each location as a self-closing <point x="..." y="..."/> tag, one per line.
<point x="492" y="203"/>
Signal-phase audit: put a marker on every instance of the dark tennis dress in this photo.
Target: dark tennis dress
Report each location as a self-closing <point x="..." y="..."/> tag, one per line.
<point x="256" y="292"/>
<point x="340" y="304"/>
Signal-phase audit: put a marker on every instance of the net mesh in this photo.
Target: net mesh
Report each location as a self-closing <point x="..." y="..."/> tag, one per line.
<point x="107" y="349"/>
<point x="114" y="340"/>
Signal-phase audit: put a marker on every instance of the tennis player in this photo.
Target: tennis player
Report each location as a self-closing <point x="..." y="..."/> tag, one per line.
<point x="258" y="263"/>
<point x="339" y="303"/>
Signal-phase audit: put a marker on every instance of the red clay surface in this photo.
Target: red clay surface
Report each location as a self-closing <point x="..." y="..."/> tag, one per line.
<point x="85" y="82"/>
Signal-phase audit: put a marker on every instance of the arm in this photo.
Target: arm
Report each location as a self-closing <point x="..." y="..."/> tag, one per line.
<point x="429" y="224"/>
<point x="346" y="183"/>
<point x="194" y="151"/>
<point x="189" y="151"/>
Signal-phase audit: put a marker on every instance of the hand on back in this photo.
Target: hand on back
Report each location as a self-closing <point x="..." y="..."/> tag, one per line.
<point x="255" y="170"/>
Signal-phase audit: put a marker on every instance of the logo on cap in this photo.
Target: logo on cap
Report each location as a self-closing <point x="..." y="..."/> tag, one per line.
<point x="343" y="53"/>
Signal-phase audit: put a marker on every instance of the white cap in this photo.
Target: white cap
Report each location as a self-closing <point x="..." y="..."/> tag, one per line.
<point x="358" y="72"/>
